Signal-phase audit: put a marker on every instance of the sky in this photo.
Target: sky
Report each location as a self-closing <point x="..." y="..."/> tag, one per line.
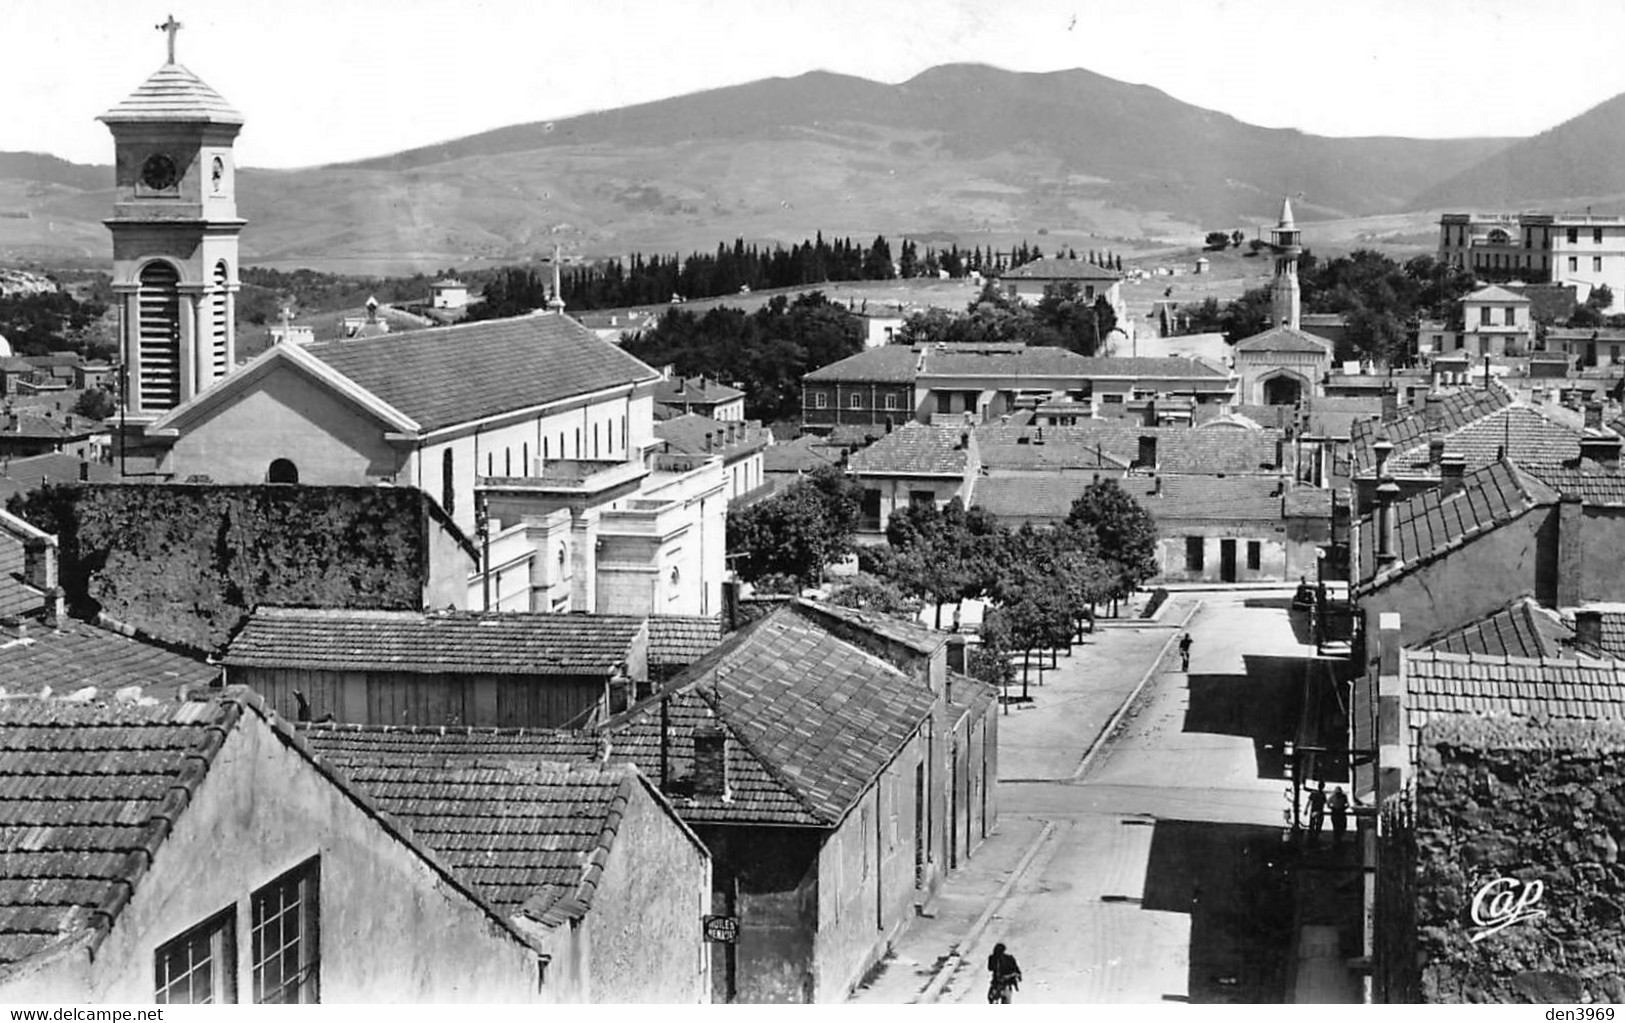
<point x="321" y="81"/>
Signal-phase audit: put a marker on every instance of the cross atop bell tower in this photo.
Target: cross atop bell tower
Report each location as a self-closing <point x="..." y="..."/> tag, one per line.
<point x="175" y="229"/>
<point x="171" y="26"/>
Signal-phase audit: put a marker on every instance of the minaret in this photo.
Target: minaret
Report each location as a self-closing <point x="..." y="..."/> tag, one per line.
<point x="1284" y="292"/>
<point x="175" y="229"/>
<point x="556" y="303"/>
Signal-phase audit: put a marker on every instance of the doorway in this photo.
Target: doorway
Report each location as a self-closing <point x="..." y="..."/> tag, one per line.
<point x="1227" y="561"/>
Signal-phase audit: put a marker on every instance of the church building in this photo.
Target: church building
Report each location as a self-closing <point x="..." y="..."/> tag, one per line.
<point x="534" y="435"/>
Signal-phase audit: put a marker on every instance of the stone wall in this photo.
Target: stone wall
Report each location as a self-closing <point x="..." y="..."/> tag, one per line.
<point x="1527" y="800"/>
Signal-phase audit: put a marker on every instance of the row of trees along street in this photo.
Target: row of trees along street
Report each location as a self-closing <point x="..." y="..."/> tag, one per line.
<point x="1043" y="586"/>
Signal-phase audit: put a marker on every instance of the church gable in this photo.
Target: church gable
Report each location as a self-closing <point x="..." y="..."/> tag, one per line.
<point x="282" y="414"/>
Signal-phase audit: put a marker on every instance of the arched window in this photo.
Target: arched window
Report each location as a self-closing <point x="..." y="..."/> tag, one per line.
<point x="159" y="343"/>
<point x="282" y="471"/>
<point x="220" y="315"/>
<point x="448" y="484"/>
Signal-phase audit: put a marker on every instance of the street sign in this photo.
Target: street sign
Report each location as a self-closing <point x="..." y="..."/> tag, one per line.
<point x="722" y="928"/>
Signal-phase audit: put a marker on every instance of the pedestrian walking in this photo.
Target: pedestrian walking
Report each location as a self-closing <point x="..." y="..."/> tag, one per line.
<point x="1185" y="652"/>
<point x="1339" y="803"/>
<point x="1005" y="976"/>
<point x="1317" y="812"/>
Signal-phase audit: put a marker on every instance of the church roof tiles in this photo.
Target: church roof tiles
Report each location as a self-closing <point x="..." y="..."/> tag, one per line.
<point x="173" y="93"/>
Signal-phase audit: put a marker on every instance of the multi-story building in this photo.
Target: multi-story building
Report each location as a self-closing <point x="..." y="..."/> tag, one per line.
<point x="1563" y="248"/>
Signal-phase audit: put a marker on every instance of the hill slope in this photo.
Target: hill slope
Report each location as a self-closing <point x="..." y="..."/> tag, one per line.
<point x="958" y="151"/>
<point x="1581" y="159"/>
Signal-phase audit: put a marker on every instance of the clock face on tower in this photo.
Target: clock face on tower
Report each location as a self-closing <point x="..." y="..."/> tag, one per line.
<point x="159" y="172"/>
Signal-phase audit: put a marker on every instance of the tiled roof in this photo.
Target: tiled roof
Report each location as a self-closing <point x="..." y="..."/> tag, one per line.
<point x="947" y="360"/>
<point x="1493" y="293"/>
<point x="433" y="642"/>
<point x="971" y="694"/>
<point x="1207" y="498"/>
<point x="681" y="640"/>
<point x="77" y="654"/>
<point x="17" y="597"/>
<point x="173" y="94"/>
<point x="530" y="835"/>
<point x="1030" y="495"/>
<point x="1146" y="368"/>
<point x="823" y="715"/>
<point x="694" y="390"/>
<point x="913" y="448"/>
<point x="21" y="475"/>
<point x="1326" y="416"/>
<point x="920" y="638"/>
<point x="1518" y="432"/>
<point x="1521" y="629"/>
<point x="1604" y="334"/>
<point x="1613" y="634"/>
<point x="1179" y="449"/>
<point x="687" y="434"/>
<point x="1596" y="484"/>
<point x="1285" y="339"/>
<point x="1053" y="268"/>
<point x="1410" y="429"/>
<point x="888" y="364"/>
<point x="1438" y="683"/>
<point x="1431" y="524"/>
<point x="88" y="794"/>
<point x="448" y="375"/>
<point x="804" y="454"/>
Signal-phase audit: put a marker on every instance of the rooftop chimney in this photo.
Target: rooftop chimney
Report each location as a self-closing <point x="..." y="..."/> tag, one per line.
<point x="84" y="470"/>
<point x="1387" y="522"/>
<point x="1570" y="551"/>
<point x="1451" y="470"/>
<point x="1588" y="630"/>
<point x="1433" y="414"/>
<point x="1593" y="413"/>
<point x="1602" y="448"/>
<point x="1435" y="452"/>
<point x="1382" y="449"/>
<point x="1390" y="405"/>
<point x="711" y="760"/>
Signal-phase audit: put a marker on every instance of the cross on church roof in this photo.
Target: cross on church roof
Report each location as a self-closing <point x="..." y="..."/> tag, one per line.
<point x="171" y="26"/>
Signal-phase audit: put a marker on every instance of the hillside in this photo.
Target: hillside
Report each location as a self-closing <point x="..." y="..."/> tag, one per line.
<point x="1579" y="162"/>
<point x="960" y="152"/>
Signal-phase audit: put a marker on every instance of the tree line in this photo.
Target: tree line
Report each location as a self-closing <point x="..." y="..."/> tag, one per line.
<point x="1043" y="584"/>
<point x="1063" y="318"/>
<point x="657" y="280"/>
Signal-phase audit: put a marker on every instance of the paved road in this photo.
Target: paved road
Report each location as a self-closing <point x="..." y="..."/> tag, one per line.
<point x="1160" y="878"/>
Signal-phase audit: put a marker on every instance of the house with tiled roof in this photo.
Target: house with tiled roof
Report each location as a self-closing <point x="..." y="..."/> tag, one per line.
<point x="1479" y="758"/>
<point x="914" y="464"/>
<point x="1496" y="322"/>
<point x="700" y="396"/>
<point x="20" y="475"/>
<point x="589" y="857"/>
<point x="676" y="641"/>
<point x="68" y="656"/>
<point x="490" y="669"/>
<point x="897" y="383"/>
<point x="31" y="431"/>
<point x="199" y="851"/>
<point x="533" y="419"/>
<point x="740" y="443"/>
<point x="1522" y="628"/>
<point x="1031" y="281"/>
<point x="1602" y="347"/>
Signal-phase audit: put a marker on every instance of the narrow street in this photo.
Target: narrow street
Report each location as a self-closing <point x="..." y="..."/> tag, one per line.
<point x="1156" y="873"/>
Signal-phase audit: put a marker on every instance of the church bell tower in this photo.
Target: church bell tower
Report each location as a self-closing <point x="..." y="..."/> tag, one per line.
<point x="1284" y="297"/>
<point x="175" y="229"/>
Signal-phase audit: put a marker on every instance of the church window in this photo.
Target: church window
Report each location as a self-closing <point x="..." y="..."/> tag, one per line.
<point x="159" y="327"/>
<point x="221" y="318"/>
<point x="507" y="461"/>
<point x="282" y="471"/>
<point x="448" y="484"/>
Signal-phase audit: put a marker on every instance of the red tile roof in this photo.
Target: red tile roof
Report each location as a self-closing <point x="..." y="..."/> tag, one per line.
<point x="454" y="642"/>
<point x="448" y="375"/>
<point x="1597" y="485"/>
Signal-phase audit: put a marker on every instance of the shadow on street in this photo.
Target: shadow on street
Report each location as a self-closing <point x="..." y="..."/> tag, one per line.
<point x="1234" y="881"/>
<point x="1264" y="705"/>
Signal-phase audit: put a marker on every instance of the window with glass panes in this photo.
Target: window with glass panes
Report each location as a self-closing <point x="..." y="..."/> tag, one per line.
<point x="200" y="966"/>
<point x="287" y="945"/>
